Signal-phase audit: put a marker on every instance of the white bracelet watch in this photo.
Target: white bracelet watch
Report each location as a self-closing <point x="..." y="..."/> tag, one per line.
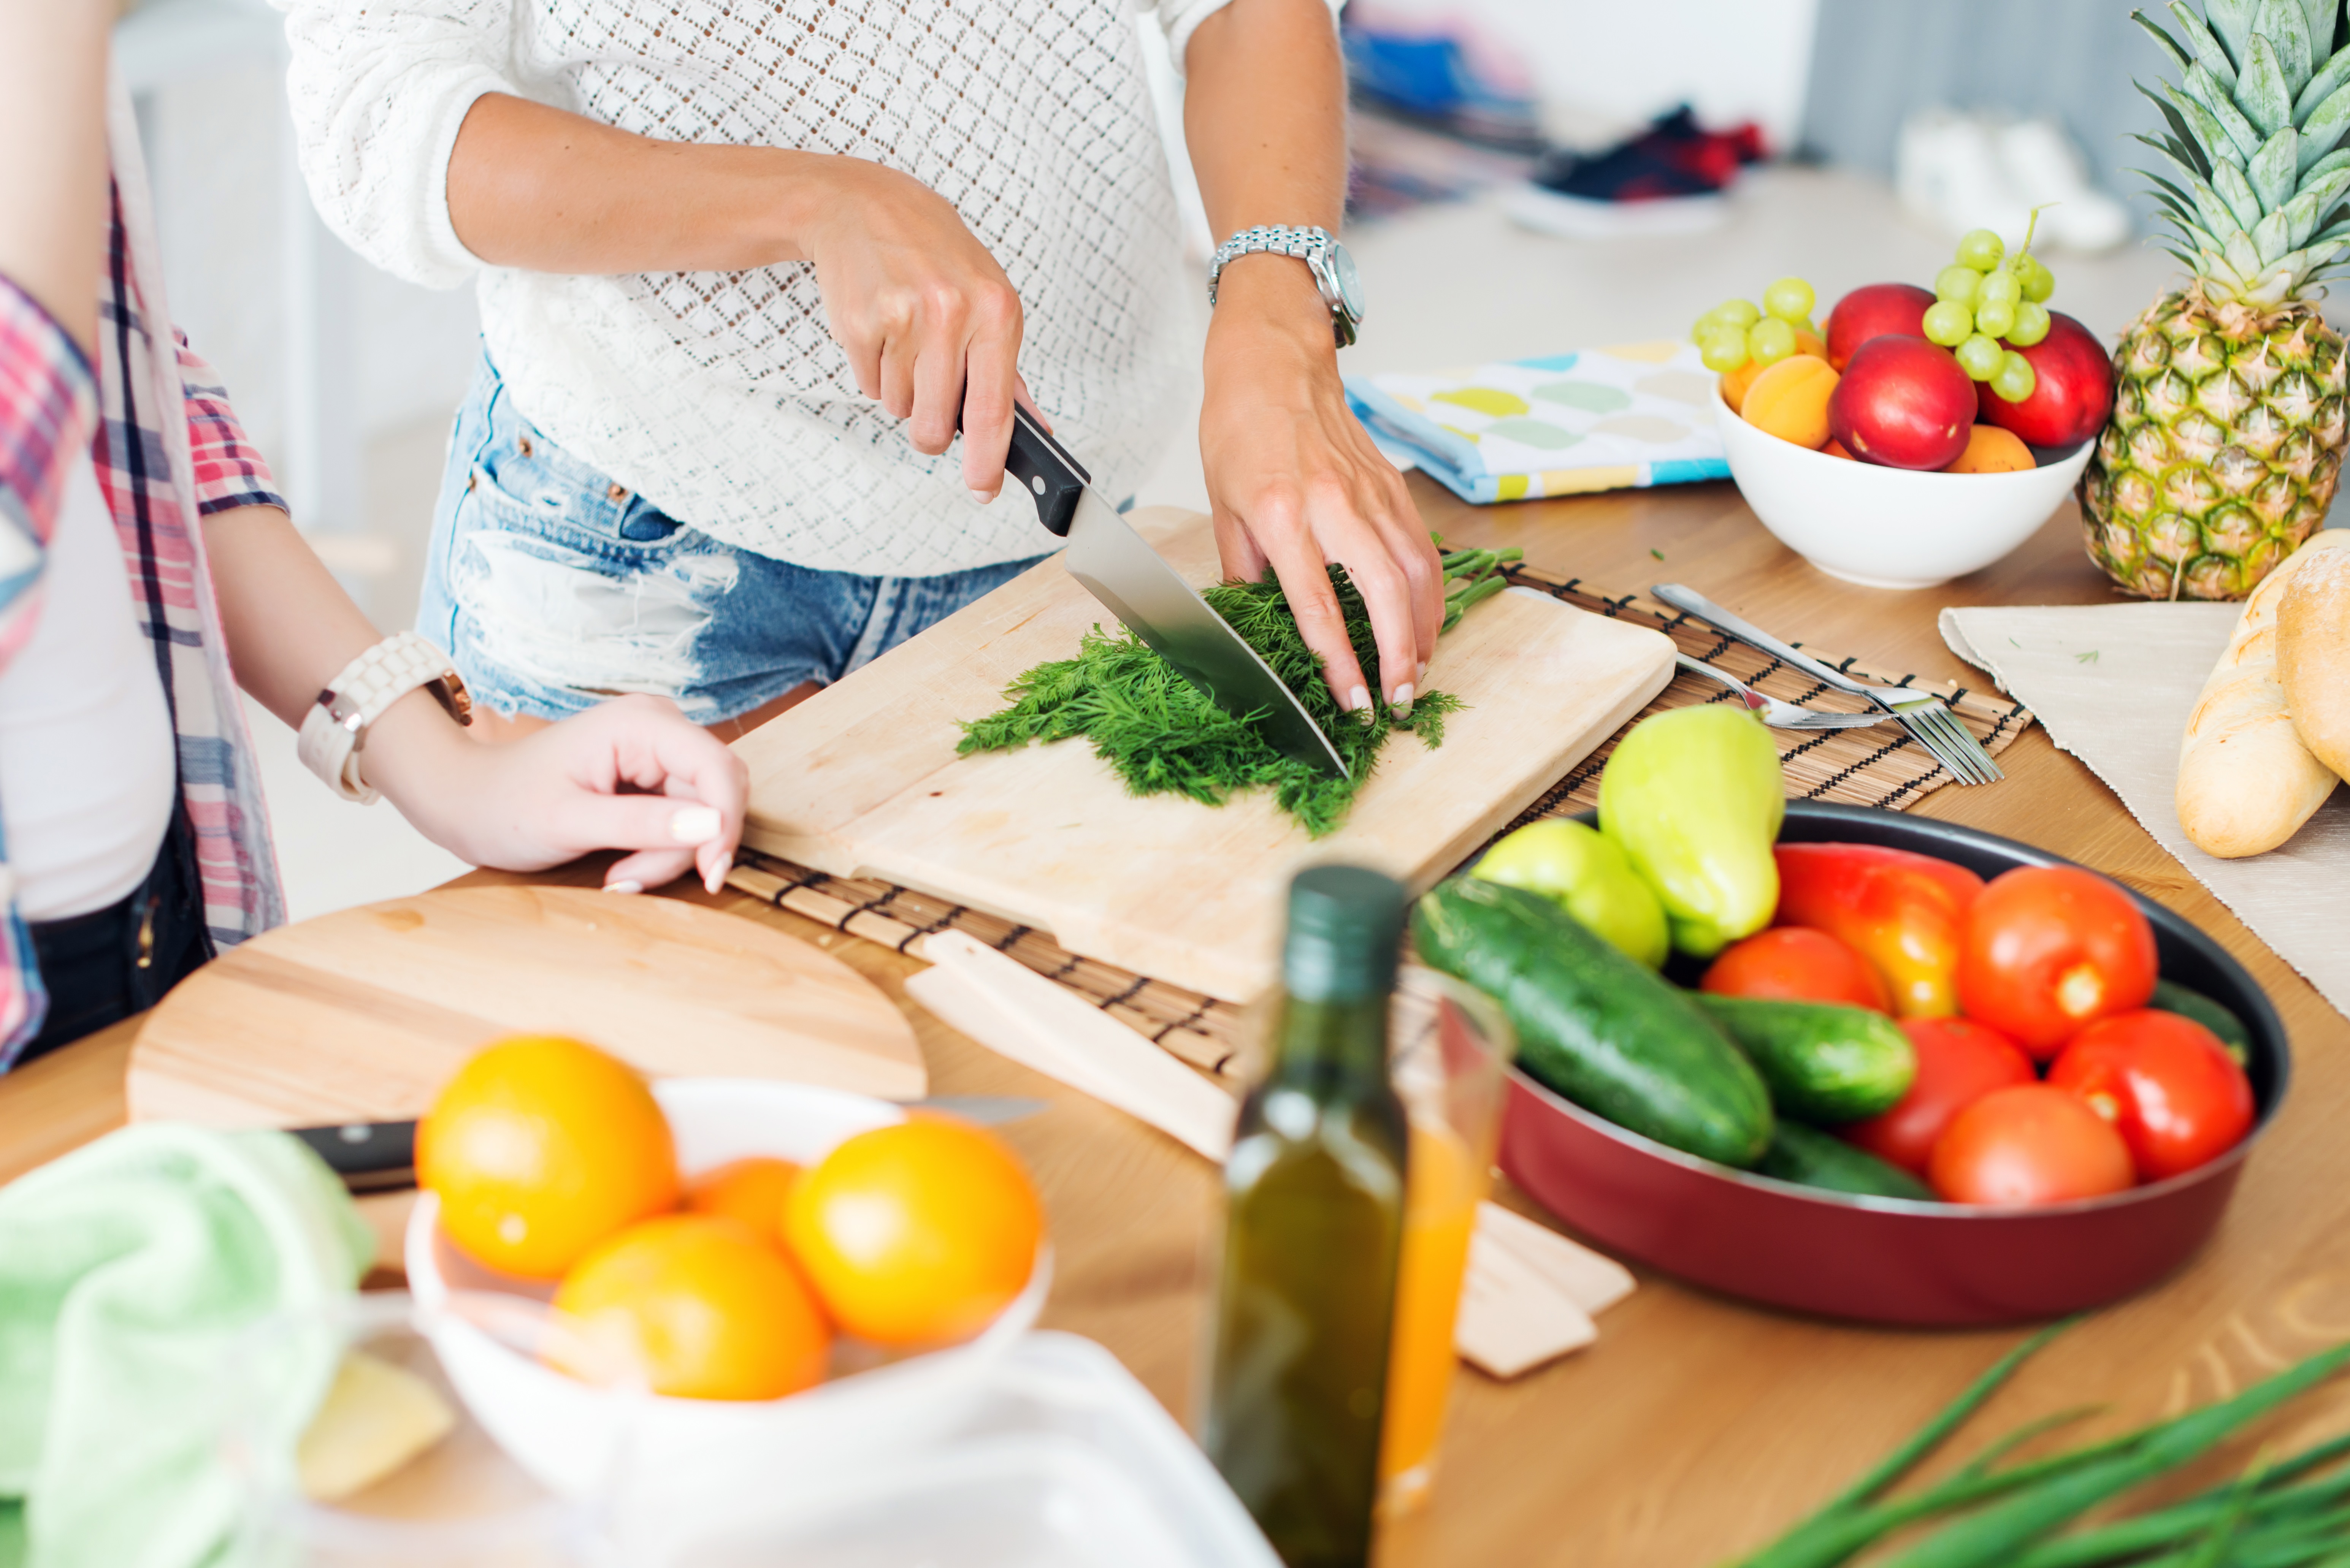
<point x="334" y="729"/>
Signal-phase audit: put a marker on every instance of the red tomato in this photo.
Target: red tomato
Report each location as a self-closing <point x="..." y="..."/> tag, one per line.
<point x="1959" y="1061"/>
<point x="2166" y="1083"/>
<point x="1796" y="963"/>
<point x="2028" y="1144"/>
<point x="2049" y="948"/>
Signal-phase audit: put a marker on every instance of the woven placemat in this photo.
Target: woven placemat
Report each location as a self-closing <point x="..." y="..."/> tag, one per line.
<point x="1881" y="766"/>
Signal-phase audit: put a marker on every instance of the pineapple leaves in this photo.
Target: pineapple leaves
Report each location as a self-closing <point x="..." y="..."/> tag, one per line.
<point x="2242" y="255"/>
<point x="2236" y="192"/>
<point x="2184" y="148"/>
<point x="2231" y="20"/>
<point x="2287" y="27"/>
<point x="2170" y="44"/>
<point x="2273" y="168"/>
<point x="2306" y="211"/>
<point x="2261" y="91"/>
<point x="2271" y="237"/>
<point x="2324" y="126"/>
<point x="2322" y="85"/>
<point x="2218" y="124"/>
<point x="2207" y="47"/>
<point x="2319" y="15"/>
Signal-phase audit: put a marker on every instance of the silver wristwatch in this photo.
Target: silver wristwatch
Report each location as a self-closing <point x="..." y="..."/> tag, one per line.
<point x="1325" y="257"/>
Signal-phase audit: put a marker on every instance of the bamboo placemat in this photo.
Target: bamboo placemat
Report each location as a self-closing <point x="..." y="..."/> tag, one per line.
<point x="1881" y="766"/>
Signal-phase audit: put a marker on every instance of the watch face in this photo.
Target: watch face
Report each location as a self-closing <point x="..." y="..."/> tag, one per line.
<point x="1350" y="285"/>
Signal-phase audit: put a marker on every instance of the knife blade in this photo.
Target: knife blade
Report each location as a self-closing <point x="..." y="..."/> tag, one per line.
<point x="380" y="1157"/>
<point x="1138" y="586"/>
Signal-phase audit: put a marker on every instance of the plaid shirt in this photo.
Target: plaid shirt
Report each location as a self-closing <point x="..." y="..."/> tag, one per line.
<point x="152" y="419"/>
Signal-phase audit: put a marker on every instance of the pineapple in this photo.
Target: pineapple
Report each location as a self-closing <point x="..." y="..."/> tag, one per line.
<point x="2226" y="438"/>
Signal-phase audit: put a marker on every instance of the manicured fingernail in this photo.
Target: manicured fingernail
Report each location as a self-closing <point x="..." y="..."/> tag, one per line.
<point x="1401" y="701"/>
<point x="624" y="886"/>
<point x="718" y="873"/>
<point x="983" y="498"/>
<point x="696" y="825"/>
<point x="1358" y="700"/>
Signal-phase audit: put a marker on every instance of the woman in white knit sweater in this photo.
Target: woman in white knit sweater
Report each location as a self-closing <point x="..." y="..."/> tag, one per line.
<point x="744" y="269"/>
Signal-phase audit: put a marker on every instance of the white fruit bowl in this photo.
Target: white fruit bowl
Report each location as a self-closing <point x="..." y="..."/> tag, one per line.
<point x="1889" y="528"/>
<point x="666" y="1453"/>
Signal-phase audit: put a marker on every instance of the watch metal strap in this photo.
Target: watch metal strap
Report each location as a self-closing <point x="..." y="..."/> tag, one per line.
<point x="1280" y="239"/>
<point x="334" y="729"/>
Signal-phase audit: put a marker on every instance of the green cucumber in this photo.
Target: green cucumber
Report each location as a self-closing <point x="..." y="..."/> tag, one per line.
<point x="2172" y="997"/>
<point x="1822" y="1063"/>
<point x="1598" y="1027"/>
<point x="1810" y="1157"/>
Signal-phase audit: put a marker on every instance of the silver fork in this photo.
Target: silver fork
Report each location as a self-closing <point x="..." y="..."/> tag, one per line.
<point x="1922" y="714"/>
<point x="1777" y="714"/>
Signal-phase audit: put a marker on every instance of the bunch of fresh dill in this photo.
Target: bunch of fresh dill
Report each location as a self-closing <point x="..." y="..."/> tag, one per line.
<point x="1165" y="738"/>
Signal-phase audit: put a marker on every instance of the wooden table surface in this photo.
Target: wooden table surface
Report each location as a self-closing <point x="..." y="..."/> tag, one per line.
<point x="1696" y="1426"/>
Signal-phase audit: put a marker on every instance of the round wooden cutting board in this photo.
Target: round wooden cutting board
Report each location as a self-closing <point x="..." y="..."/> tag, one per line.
<point x="362" y="1015"/>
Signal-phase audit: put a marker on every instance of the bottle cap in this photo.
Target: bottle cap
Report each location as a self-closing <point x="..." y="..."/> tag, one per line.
<point x="1344" y="924"/>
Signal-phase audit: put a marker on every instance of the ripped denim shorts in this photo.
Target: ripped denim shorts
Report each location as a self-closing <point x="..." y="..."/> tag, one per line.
<point x="552" y="587"/>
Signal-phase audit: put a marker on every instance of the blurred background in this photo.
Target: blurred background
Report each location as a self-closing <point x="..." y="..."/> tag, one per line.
<point x="1531" y="176"/>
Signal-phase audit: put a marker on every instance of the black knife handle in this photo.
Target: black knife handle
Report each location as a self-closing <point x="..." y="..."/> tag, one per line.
<point x="1053" y="479"/>
<point x="370" y="1156"/>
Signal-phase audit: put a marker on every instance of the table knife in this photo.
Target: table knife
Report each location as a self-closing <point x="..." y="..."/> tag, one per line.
<point x="380" y="1157"/>
<point x="1143" y="591"/>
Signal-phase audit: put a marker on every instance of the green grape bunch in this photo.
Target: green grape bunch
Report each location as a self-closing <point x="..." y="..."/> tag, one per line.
<point x="1986" y="296"/>
<point x="1737" y="330"/>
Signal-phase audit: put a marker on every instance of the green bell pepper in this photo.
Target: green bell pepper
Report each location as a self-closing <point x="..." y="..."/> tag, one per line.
<point x="1584" y="872"/>
<point x="1694" y="797"/>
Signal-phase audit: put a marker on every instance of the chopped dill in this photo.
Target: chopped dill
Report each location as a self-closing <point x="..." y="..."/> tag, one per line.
<point x="1163" y="737"/>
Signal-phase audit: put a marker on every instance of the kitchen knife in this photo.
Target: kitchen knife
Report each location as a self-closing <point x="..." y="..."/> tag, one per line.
<point x="1142" y="590"/>
<point x="380" y="1157"/>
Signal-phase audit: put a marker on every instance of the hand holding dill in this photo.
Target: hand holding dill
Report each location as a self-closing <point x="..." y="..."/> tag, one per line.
<point x="1164" y="737"/>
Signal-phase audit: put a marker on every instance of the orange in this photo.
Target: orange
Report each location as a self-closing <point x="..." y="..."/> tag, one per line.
<point x="751" y="1190"/>
<point x="916" y="1233"/>
<point x="1735" y="383"/>
<point x="1789" y="400"/>
<point x="713" y="1311"/>
<point x="1835" y="448"/>
<point x="540" y="1147"/>
<point x="1991" y="450"/>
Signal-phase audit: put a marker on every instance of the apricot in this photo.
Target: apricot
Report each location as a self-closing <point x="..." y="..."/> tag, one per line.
<point x="1991" y="450"/>
<point x="1835" y="448"/>
<point x="1734" y="384"/>
<point x="1789" y="400"/>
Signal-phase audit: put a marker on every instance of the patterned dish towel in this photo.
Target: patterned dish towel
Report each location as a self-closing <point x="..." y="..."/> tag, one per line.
<point x="1604" y="419"/>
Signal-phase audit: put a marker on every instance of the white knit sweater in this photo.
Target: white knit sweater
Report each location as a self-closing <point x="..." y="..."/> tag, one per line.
<point x="720" y="397"/>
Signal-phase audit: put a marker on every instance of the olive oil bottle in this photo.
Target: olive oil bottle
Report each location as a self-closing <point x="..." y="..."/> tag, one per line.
<point x="1314" y="1225"/>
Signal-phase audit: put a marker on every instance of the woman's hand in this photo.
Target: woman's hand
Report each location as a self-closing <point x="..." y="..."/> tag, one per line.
<point x="931" y="324"/>
<point x="631" y="774"/>
<point x="1295" y="483"/>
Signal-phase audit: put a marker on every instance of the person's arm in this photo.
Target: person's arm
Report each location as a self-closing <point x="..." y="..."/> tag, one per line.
<point x="520" y="805"/>
<point x="53" y="213"/>
<point x="1294" y="479"/>
<point x="931" y="325"/>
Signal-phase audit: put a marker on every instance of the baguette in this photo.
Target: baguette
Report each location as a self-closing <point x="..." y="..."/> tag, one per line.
<point x="2312" y="644"/>
<point x="2246" y="781"/>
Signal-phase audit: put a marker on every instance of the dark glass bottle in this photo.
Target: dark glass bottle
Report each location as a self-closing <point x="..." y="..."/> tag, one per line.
<point x="1314" y="1225"/>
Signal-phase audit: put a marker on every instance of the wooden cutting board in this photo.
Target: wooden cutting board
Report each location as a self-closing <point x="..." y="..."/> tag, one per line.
<point x="362" y="1015"/>
<point x="862" y="779"/>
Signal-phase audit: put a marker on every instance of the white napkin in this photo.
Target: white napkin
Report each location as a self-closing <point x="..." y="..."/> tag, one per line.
<point x="1530" y="1293"/>
<point x="2114" y="684"/>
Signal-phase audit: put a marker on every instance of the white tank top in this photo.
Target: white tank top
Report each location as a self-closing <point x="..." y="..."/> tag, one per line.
<point x="86" y="769"/>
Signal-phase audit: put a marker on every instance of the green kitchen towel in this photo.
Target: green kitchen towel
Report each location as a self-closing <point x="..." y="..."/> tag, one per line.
<point x="129" y="1270"/>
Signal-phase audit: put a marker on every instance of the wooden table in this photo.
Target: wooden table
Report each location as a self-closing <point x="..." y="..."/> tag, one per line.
<point x="1697" y="1426"/>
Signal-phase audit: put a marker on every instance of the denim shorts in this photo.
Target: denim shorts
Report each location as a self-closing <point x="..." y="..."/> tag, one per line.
<point x="552" y="587"/>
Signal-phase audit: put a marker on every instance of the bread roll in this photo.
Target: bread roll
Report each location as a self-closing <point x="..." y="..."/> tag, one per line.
<point x="2312" y="653"/>
<point x="2246" y="781"/>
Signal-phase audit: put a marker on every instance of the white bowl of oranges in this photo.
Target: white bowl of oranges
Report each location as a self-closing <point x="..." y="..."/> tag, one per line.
<point x="805" y="1277"/>
<point x="1884" y="456"/>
